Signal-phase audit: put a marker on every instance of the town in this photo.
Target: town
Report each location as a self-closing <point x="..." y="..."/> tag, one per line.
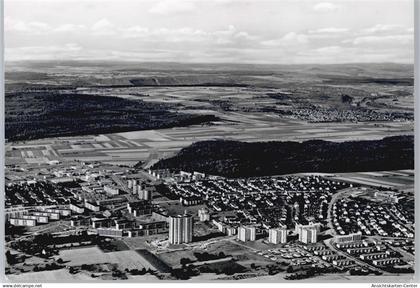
<point x="180" y="225"/>
<point x="209" y="141"/>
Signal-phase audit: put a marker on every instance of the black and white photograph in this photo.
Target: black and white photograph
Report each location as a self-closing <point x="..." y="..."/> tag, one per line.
<point x="209" y="141"/>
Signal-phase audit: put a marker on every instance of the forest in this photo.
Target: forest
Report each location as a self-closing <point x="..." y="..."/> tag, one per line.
<point x="34" y="115"/>
<point x="241" y="159"/>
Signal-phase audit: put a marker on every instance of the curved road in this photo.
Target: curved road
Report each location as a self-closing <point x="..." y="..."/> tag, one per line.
<point x="334" y="198"/>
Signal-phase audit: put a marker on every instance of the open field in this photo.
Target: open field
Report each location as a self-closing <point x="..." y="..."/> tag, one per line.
<point x="49" y="276"/>
<point x="401" y="179"/>
<point x="93" y="255"/>
<point x="140" y="242"/>
<point x="131" y="147"/>
<point x="242" y="253"/>
<point x="173" y="258"/>
<point x="62" y="275"/>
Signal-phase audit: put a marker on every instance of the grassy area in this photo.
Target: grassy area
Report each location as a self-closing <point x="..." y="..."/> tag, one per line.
<point x="173" y="258"/>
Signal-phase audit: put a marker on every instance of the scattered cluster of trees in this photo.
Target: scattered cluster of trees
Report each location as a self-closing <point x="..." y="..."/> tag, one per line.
<point x="118" y="274"/>
<point x="364" y="272"/>
<point x="11" y="259"/>
<point x="227" y="268"/>
<point x="205" y="256"/>
<point x="111" y="245"/>
<point x="308" y="273"/>
<point x="48" y="267"/>
<point x="188" y="271"/>
<point x="44" y="245"/>
<point x="143" y="271"/>
<point x="34" y="247"/>
<point x="185" y="272"/>
<point x="12" y="231"/>
<point x="396" y="269"/>
<point x="163" y="190"/>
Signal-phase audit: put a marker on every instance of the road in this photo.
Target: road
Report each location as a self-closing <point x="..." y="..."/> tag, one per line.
<point x="406" y="256"/>
<point x="356" y="260"/>
<point x="165" y="201"/>
<point x="340" y="194"/>
<point x="199" y="263"/>
<point x="121" y="183"/>
<point x="243" y="245"/>
<point x="43" y="230"/>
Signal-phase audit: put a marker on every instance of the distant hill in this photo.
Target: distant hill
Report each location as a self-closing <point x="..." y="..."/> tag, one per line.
<point x="70" y="74"/>
<point x="241" y="159"/>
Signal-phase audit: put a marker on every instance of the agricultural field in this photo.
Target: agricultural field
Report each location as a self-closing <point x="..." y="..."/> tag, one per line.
<point x="237" y="102"/>
<point x="148" y="146"/>
<point x="401" y="179"/>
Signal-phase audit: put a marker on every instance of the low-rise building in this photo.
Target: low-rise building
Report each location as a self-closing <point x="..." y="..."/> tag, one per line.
<point x="141" y="207"/>
<point x="62" y="212"/>
<point x="111" y="190"/>
<point x="101" y="222"/>
<point x="348" y="238"/>
<point x="204" y="214"/>
<point x="386" y="261"/>
<point x="50" y="215"/>
<point x="39" y="219"/>
<point x="77" y="221"/>
<point x="79" y="209"/>
<point x="109" y="232"/>
<point x="111" y="202"/>
<point x="343" y="262"/>
<point x="92" y="206"/>
<point x="22" y="222"/>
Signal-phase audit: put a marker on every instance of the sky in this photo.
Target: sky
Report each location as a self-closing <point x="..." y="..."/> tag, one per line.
<point x="214" y="31"/>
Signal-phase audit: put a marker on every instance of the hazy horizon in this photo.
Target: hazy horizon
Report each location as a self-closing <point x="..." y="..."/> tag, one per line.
<point x="126" y="61"/>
